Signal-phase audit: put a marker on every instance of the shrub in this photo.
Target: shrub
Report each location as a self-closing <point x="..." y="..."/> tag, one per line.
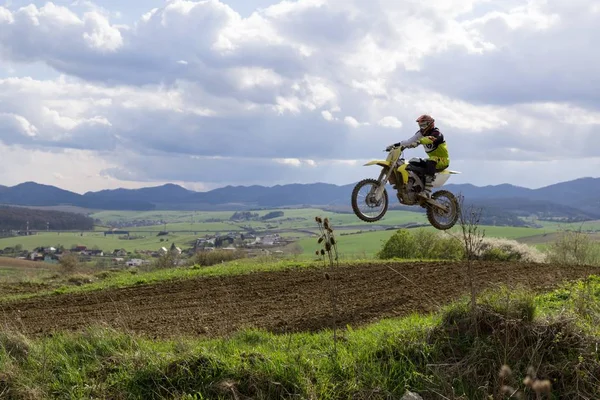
<point x="168" y="260"/>
<point x="574" y="247"/>
<point x="422" y="244"/>
<point x="69" y="263"/>
<point x="498" y="249"/>
<point x="208" y="258"/>
<point x="425" y="244"/>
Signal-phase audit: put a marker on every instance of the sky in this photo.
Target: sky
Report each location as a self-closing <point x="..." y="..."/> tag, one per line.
<point x="205" y="94"/>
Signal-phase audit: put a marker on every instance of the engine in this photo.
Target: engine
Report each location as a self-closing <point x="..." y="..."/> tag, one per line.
<point x="408" y="196"/>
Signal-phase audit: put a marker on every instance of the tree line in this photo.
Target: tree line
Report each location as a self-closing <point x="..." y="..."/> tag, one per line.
<point x="16" y="218"/>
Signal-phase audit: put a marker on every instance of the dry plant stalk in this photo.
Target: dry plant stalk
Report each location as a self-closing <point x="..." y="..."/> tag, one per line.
<point x="472" y="238"/>
<point x="540" y="387"/>
<point x="329" y="252"/>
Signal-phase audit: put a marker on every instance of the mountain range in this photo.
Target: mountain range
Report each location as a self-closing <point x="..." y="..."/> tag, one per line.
<point x="577" y="199"/>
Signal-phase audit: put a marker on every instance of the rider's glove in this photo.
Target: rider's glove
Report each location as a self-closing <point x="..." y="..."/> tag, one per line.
<point x="391" y="146"/>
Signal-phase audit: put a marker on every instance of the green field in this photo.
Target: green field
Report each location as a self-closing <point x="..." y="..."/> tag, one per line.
<point x="292" y="218"/>
<point x="98" y="240"/>
<point x="182" y="226"/>
<point x="166" y="216"/>
<point x="295" y="223"/>
<point x="585" y="226"/>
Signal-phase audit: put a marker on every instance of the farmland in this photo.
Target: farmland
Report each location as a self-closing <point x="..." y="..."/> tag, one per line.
<point x="194" y="330"/>
<point x="185" y="227"/>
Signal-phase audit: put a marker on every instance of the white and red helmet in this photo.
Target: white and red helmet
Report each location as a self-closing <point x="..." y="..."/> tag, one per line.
<point x="426" y="123"/>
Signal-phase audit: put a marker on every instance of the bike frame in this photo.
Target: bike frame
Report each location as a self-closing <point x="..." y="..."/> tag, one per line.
<point x="389" y="166"/>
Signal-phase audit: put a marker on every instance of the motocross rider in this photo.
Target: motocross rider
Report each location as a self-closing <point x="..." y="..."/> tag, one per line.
<point x="435" y="146"/>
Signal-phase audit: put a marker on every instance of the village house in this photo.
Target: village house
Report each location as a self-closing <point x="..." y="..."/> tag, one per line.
<point x="163" y="250"/>
<point x="136" y="262"/>
<point x="98" y="253"/>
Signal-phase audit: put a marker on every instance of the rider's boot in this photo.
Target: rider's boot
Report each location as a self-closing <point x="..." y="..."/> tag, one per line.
<point x="426" y="193"/>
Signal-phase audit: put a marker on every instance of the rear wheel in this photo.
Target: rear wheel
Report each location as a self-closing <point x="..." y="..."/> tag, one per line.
<point x="364" y="204"/>
<point x="440" y="219"/>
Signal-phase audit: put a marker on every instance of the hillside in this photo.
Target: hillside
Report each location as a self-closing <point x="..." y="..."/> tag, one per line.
<point x="554" y="201"/>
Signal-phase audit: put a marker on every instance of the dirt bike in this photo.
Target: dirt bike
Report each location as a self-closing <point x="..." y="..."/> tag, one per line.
<point x="408" y="179"/>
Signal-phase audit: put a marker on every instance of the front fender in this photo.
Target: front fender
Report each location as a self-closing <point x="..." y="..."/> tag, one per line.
<point x="381" y="163"/>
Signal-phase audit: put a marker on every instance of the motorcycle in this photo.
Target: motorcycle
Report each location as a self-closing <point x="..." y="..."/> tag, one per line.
<point x="408" y="179"/>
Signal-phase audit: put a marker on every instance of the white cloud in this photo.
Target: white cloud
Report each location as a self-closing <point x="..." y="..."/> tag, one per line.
<point x="327" y="115"/>
<point x="289" y="86"/>
<point x="351" y="121"/>
<point x="289" y="161"/>
<point x="390" y="122"/>
<point x="19" y="123"/>
<point x="100" y="34"/>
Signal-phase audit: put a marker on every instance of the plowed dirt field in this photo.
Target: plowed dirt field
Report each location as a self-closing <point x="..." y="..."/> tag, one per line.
<point x="285" y="301"/>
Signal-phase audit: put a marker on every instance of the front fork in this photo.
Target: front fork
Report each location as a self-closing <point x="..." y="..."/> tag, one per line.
<point x="384" y="177"/>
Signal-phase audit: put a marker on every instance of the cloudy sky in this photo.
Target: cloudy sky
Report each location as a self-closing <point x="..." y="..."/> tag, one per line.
<point x="240" y="92"/>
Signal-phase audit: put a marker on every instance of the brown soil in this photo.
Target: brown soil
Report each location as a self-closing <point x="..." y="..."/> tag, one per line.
<point x="285" y="301"/>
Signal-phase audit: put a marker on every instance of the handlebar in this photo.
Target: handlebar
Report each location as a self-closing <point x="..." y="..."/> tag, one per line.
<point x="395" y="147"/>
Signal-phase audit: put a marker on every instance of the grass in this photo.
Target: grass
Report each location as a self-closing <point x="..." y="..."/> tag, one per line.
<point x="363" y="245"/>
<point x="436" y="354"/>
<point x="14" y="270"/>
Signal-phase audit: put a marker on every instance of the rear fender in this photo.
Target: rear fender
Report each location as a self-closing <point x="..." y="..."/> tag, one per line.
<point x="442" y="177"/>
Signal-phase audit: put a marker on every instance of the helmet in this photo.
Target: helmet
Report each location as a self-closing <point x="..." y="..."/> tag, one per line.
<point x="426" y="123"/>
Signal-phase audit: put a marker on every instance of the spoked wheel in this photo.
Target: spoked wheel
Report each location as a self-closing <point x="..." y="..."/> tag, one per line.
<point x="440" y="219"/>
<point x="364" y="204"/>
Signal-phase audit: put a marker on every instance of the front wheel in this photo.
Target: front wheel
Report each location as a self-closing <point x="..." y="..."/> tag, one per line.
<point x="440" y="219"/>
<point x="373" y="210"/>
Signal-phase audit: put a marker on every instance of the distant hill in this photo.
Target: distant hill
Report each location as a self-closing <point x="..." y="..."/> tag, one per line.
<point x="35" y="194"/>
<point x="576" y="200"/>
